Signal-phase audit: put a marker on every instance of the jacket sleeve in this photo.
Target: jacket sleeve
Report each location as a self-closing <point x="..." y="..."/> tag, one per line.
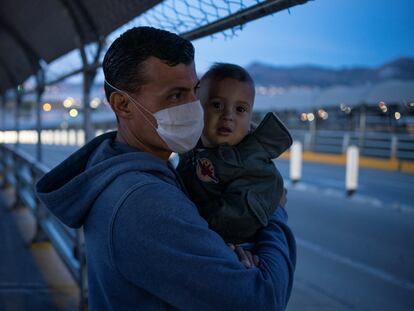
<point x="160" y="243"/>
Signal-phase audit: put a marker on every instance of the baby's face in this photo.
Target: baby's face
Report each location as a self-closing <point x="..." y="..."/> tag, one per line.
<point x="227" y="111"/>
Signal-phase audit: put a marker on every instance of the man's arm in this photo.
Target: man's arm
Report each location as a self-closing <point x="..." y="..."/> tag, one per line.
<point x="161" y="244"/>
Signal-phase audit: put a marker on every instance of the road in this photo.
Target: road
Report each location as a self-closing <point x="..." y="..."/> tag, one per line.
<point x="354" y="253"/>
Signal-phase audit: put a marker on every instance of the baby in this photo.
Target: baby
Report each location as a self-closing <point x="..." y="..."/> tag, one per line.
<point x="230" y="175"/>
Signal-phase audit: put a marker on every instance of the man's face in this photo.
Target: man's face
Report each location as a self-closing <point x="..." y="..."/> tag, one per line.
<point x="227" y="110"/>
<point x="166" y="86"/>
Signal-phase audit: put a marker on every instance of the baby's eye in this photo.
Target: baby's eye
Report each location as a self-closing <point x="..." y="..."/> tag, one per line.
<point x="216" y="105"/>
<point x="241" y="109"/>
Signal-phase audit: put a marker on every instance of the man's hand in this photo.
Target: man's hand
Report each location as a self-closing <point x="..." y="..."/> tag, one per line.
<point x="283" y="199"/>
<point x="246" y="257"/>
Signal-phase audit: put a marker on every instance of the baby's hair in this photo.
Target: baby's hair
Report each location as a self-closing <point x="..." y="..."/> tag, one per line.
<point x="221" y="71"/>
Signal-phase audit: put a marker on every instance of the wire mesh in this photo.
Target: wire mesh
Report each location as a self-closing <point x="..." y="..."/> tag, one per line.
<point x="181" y="16"/>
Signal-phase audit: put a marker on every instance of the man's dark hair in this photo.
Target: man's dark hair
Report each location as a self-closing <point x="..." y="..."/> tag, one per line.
<point x="221" y="71"/>
<point x="122" y="64"/>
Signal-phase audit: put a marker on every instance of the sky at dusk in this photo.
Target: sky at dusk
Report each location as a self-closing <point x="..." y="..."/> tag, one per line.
<point x="331" y="33"/>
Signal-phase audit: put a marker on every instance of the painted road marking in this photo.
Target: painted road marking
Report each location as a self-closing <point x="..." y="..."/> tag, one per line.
<point x="375" y="272"/>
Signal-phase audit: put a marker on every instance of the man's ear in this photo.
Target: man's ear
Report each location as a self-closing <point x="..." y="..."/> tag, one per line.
<point x="120" y="104"/>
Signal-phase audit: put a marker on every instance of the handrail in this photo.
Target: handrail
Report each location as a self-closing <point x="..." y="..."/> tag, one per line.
<point x="22" y="171"/>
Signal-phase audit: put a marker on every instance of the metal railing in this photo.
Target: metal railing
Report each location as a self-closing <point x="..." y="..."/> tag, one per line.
<point x="21" y="171"/>
<point x="371" y="144"/>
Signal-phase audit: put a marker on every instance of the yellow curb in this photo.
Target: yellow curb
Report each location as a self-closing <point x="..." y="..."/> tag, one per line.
<point x="381" y="164"/>
<point x="40" y="245"/>
<point x="367" y="162"/>
<point x="407" y="167"/>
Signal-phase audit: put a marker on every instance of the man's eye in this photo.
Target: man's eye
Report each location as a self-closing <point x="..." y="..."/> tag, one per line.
<point x="175" y="96"/>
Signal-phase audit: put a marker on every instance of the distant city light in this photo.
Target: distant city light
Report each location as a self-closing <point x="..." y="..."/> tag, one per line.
<point x="310" y="117"/>
<point x="383" y="106"/>
<point x="346" y="108"/>
<point x="95" y="103"/>
<point x="47" y="107"/>
<point x="303" y="117"/>
<point x="397" y="115"/>
<point x="73" y="113"/>
<point x="68" y="102"/>
<point x="322" y="114"/>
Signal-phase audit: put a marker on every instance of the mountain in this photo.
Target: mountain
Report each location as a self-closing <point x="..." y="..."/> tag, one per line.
<point x="317" y="76"/>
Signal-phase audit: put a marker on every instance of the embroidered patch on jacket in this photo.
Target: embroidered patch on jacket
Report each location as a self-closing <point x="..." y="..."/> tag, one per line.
<point x="205" y="171"/>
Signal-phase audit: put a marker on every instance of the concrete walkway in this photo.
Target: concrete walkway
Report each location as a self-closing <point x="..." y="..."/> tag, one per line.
<point x="21" y="284"/>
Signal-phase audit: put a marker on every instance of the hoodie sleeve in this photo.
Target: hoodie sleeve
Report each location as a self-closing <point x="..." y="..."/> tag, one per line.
<point x="161" y="244"/>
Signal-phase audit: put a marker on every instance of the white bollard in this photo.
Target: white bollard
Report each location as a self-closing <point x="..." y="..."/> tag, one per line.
<point x="296" y="161"/>
<point x="352" y="161"/>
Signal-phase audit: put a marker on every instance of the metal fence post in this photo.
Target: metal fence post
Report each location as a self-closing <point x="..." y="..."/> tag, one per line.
<point x="394" y="147"/>
<point x="40" y="79"/>
<point x="345" y="142"/>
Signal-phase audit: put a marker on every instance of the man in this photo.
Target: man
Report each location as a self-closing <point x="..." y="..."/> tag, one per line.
<point x="147" y="248"/>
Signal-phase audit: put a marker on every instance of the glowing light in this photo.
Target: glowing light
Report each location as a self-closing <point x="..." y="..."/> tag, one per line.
<point x="311" y="117"/>
<point x="68" y="102"/>
<point x="346" y="108"/>
<point x="322" y="114"/>
<point x="47" y="107"/>
<point x="303" y="117"/>
<point x="383" y="106"/>
<point x="95" y="103"/>
<point x="73" y="113"/>
<point x="397" y="115"/>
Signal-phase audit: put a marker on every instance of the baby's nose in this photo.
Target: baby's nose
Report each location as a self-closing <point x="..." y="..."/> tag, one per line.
<point x="227" y="115"/>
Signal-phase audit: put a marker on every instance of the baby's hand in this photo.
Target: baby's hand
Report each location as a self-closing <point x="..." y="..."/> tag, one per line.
<point x="246" y="257"/>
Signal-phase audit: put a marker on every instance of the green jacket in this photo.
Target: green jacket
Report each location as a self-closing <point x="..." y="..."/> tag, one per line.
<point x="237" y="188"/>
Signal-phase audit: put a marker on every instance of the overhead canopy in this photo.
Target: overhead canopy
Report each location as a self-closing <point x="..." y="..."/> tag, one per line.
<point x="31" y="31"/>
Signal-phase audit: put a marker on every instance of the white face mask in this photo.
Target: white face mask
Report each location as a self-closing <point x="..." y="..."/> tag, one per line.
<point x="180" y="127"/>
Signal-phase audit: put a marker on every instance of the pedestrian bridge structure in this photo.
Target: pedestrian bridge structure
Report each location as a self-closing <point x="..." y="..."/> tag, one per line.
<point x="353" y="251"/>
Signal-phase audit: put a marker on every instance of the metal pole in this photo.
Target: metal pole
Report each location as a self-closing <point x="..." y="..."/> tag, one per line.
<point x="312" y="134"/>
<point x="362" y="126"/>
<point x="17" y="115"/>
<point x="3" y="112"/>
<point x="87" y="112"/>
<point x="39" y="92"/>
<point x="242" y="17"/>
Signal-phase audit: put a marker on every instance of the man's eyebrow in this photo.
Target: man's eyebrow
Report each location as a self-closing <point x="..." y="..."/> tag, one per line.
<point x="182" y="88"/>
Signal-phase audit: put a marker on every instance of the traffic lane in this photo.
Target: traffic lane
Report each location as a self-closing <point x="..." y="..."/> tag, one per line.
<point x="371" y="235"/>
<point x="353" y="253"/>
<point x="389" y="187"/>
<point x="350" y="288"/>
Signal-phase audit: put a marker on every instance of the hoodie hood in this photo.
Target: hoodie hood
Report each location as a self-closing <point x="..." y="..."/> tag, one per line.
<point x="70" y="189"/>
